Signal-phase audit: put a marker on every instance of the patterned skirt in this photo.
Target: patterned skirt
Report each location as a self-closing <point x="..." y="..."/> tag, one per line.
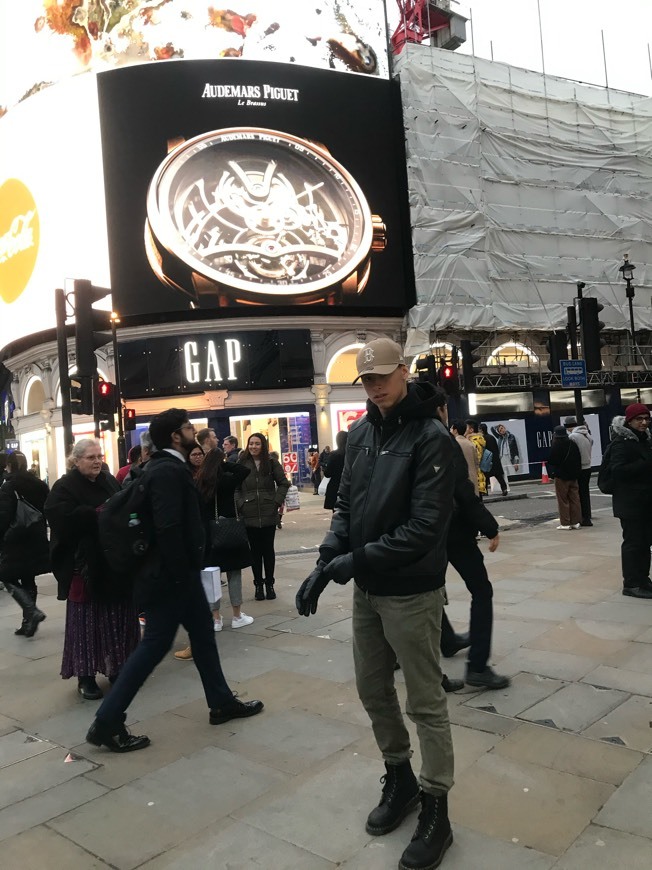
<point x="99" y="638"/>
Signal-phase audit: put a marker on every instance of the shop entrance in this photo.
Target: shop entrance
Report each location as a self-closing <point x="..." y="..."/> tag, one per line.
<point x="287" y="433"/>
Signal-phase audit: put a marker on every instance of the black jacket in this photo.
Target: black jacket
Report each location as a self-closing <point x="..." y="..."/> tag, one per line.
<point x="24" y="553"/>
<point x="470" y="516"/>
<point x="71" y="511"/>
<point x="333" y="471"/>
<point x="630" y="458"/>
<point x="260" y="495"/>
<point x="396" y="498"/>
<point x="176" y="554"/>
<point x="233" y="473"/>
<point x="564" y="461"/>
<point x="494" y="449"/>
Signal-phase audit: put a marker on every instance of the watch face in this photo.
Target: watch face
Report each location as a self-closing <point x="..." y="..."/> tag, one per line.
<point x="260" y="211"/>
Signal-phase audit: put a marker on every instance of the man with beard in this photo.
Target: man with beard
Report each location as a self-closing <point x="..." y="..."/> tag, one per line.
<point x="169" y="591"/>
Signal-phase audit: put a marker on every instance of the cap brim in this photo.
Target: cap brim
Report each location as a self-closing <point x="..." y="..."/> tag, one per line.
<point x="378" y="370"/>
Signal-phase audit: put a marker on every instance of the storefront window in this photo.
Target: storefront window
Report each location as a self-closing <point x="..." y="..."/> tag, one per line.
<point x="285" y="434"/>
<point x="513" y="354"/>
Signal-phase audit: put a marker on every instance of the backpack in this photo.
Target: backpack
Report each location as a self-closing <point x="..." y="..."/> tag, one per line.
<point x="605" y="479"/>
<point x="486" y="461"/>
<point x="125" y="528"/>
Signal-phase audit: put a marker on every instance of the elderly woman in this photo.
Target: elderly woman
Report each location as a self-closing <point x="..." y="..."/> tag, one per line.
<point x="101" y="621"/>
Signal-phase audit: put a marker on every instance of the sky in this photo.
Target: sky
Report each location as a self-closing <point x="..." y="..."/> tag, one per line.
<point x="572" y="41"/>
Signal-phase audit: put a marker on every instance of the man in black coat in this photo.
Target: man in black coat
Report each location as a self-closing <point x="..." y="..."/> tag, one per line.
<point x="169" y="590"/>
<point x="497" y="470"/>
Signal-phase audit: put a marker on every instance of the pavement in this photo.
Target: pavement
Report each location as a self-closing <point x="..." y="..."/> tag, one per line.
<point x="554" y="772"/>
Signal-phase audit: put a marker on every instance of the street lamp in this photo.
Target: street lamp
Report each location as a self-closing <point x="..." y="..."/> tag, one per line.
<point x="122" y="449"/>
<point x="627" y="271"/>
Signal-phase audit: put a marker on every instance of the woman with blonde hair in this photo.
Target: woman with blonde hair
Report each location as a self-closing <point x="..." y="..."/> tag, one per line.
<point x="101" y="627"/>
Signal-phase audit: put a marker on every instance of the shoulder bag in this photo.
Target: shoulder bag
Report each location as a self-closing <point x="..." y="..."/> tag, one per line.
<point x="227" y="533"/>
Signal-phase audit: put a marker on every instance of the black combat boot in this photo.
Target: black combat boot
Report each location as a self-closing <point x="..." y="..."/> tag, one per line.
<point x="432" y="836"/>
<point x="260" y="591"/>
<point x="270" y="595"/>
<point x="32" y="616"/>
<point x="400" y="796"/>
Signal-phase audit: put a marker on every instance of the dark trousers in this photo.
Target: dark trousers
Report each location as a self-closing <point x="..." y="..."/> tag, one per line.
<point x="261" y="543"/>
<point x="315" y="477"/>
<point x="585" y="498"/>
<point x="187" y="607"/>
<point x="26" y="582"/>
<point x="635" y="550"/>
<point x="465" y="556"/>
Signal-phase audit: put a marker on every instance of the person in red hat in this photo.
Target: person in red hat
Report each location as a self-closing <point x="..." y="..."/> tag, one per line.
<point x="630" y="466"/>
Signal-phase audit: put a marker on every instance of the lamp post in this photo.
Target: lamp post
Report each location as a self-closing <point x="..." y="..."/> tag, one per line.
<point x="122" y="451"/>
<point x="627" y="271"/>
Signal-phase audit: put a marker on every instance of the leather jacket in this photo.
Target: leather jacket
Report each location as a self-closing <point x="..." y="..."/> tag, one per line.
<point x="396" y="498"/>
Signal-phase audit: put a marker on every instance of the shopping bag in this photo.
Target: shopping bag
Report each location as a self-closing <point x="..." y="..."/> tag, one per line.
<point x="292" y="501"/>
<point x="210" y="579"/>
<point x="323" y="485"/>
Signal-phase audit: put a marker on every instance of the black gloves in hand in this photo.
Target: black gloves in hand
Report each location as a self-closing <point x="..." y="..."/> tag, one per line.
<point x="340" y="569"/>
<point x="310" y="590"/>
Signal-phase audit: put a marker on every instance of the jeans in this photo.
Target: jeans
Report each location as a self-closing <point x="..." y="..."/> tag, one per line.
<point x="466" y="557"/>
<point x="261" y="543"/>
<point x="635" y="550"/>
<point x="585" y="498"/>
<point x="407" y="628"/>
<point x="187" y="607"/>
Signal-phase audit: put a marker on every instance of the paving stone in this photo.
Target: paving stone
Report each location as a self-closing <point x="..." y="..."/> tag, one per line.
<point x="635" y="657"/>
<point x="42" y="848"/>
<point x="542" y="809"/>
<point x="616" y="612"/>
<point x="469" y="745"/>
<point x="600" y="847"/>
<point x="237" y="845"/>
<point x="165" y="807"/>
<point x="538" y="608"/>
<point x="7" y="725"/>
<point x="629" y="808"/>
<point x="547" y="663"/>
<point x="489" y="722"/>
<point x="569" y="753"/>
<point x="45" y="805"/>
<point x="39" y="773"/>
<point x="325" y="814"/>
<point x="525" y="691"/>
<point x="631" y="723"/>
<point x="17" y="746"/>
<point x="645" y="637"/>
<point x="634" y="682"/>
<point x="582" y="590"/>
<point x="570" y="637"/>
<point x="575" y="707"/>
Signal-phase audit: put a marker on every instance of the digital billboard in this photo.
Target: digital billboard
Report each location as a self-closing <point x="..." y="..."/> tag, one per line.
<point x="233" y="183"/>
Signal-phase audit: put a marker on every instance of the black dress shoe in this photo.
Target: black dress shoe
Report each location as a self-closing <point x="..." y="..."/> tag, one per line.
<point x="638" y="591"/>
<point x="449" y="685"/>
<point x="586" y="523"/>
<point x="487" y="679"/>
<point x="236" y="710"/>
<point x="122" y="741"/>
<point x="462" y="641"/>
<point x="88" y="689"/>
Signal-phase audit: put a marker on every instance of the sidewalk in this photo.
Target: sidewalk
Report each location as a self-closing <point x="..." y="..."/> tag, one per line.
<point x="554" y="772"/>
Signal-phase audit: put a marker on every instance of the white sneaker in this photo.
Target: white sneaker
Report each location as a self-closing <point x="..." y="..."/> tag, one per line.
<point x="577" y="526"/>
<point x="241" y="621"/>
<point x="218" y="624"/>
<point x="565" y="528"/>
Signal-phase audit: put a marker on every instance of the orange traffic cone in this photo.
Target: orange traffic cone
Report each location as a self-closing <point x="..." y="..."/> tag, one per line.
<point x="544" y="473"/>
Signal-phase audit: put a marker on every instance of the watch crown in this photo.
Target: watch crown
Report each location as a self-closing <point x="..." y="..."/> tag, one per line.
<point x="379" y="233"/>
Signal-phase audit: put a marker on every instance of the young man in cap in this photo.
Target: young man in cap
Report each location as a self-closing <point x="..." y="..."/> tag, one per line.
<point x="580" y="435"/>
<point x="630" y="463"/>
<point x="388" y="534"/>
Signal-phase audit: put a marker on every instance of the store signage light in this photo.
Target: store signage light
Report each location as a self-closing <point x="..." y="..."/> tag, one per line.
<point x="205" y="363"/>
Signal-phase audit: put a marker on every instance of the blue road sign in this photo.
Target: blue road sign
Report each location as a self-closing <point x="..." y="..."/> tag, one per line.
<point x="573" y="373"/>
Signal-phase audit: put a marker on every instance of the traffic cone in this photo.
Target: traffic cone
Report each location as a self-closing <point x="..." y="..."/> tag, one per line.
<point x="544" y="473"/>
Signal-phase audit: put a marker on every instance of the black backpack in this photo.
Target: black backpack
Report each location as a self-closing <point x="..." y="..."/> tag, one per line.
<point x="125" y="529"/>
<point x="605" y="478"/>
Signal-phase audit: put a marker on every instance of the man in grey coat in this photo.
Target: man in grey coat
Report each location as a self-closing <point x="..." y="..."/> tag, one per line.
<point x="579" y="433"/>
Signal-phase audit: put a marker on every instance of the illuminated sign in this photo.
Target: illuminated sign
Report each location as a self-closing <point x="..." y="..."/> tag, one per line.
<point x="206" y="365"/>
<point x="19" y="238"/>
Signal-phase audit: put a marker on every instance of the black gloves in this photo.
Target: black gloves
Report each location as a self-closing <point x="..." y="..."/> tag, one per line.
<point x="340" y="569"/>
<point x="310" y="590"/>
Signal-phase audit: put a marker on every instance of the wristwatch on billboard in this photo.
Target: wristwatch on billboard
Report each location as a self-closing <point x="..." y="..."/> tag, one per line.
<point x="257" y="216"/>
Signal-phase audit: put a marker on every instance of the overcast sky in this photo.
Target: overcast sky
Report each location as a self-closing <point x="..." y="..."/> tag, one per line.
<point x="572" y="41"/>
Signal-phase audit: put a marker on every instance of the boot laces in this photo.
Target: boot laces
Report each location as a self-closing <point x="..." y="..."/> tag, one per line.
<point x="390" y="785"/>
<point x="427" y="821"/>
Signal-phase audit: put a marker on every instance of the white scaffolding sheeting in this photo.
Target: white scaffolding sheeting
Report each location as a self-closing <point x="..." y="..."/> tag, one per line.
<point x="521" y="185"/>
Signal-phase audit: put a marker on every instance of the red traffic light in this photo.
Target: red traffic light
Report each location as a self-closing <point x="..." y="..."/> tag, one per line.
<point x="447" y="372"/>
<point x="104" y="388"/>
<point x="130" y="414"/>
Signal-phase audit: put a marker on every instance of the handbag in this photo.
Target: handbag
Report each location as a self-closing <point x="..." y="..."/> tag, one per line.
<point x="26" y="517"/>
<point x="227" y="533"/>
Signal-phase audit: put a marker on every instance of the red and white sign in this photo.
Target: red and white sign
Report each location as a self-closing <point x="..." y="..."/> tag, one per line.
<point x="290" y="463"/>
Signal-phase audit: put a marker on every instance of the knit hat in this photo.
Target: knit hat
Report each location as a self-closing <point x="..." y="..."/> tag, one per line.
<point x="560" y="432"/>
<point x="636" y="410"/>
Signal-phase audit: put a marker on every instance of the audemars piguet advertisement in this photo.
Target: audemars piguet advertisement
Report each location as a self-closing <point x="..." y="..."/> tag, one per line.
<point x="233" y="183"/>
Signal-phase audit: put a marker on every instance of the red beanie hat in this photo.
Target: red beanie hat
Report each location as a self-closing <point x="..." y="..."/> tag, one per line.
<point x="636" y="410"/>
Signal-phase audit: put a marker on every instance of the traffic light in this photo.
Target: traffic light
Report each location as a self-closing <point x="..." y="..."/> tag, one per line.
<point x="469" y="367"/>
<point x="557" y="347"/>
<point x="105" y="405"/>
<point x="449" y="379"/>
<point x="87" y="340"/>
<point x="81" y="395"/>
<point x="590" y="328"/>
<point x="129" y="419"/>
<point x="425" y="368"/>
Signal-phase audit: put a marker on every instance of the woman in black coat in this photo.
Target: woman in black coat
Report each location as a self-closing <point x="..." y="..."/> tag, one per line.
<point x="23" y="551"/>
<point x="333" y="470"/>
<point x="101" y="620"/>
<point x="216" y="483"/>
